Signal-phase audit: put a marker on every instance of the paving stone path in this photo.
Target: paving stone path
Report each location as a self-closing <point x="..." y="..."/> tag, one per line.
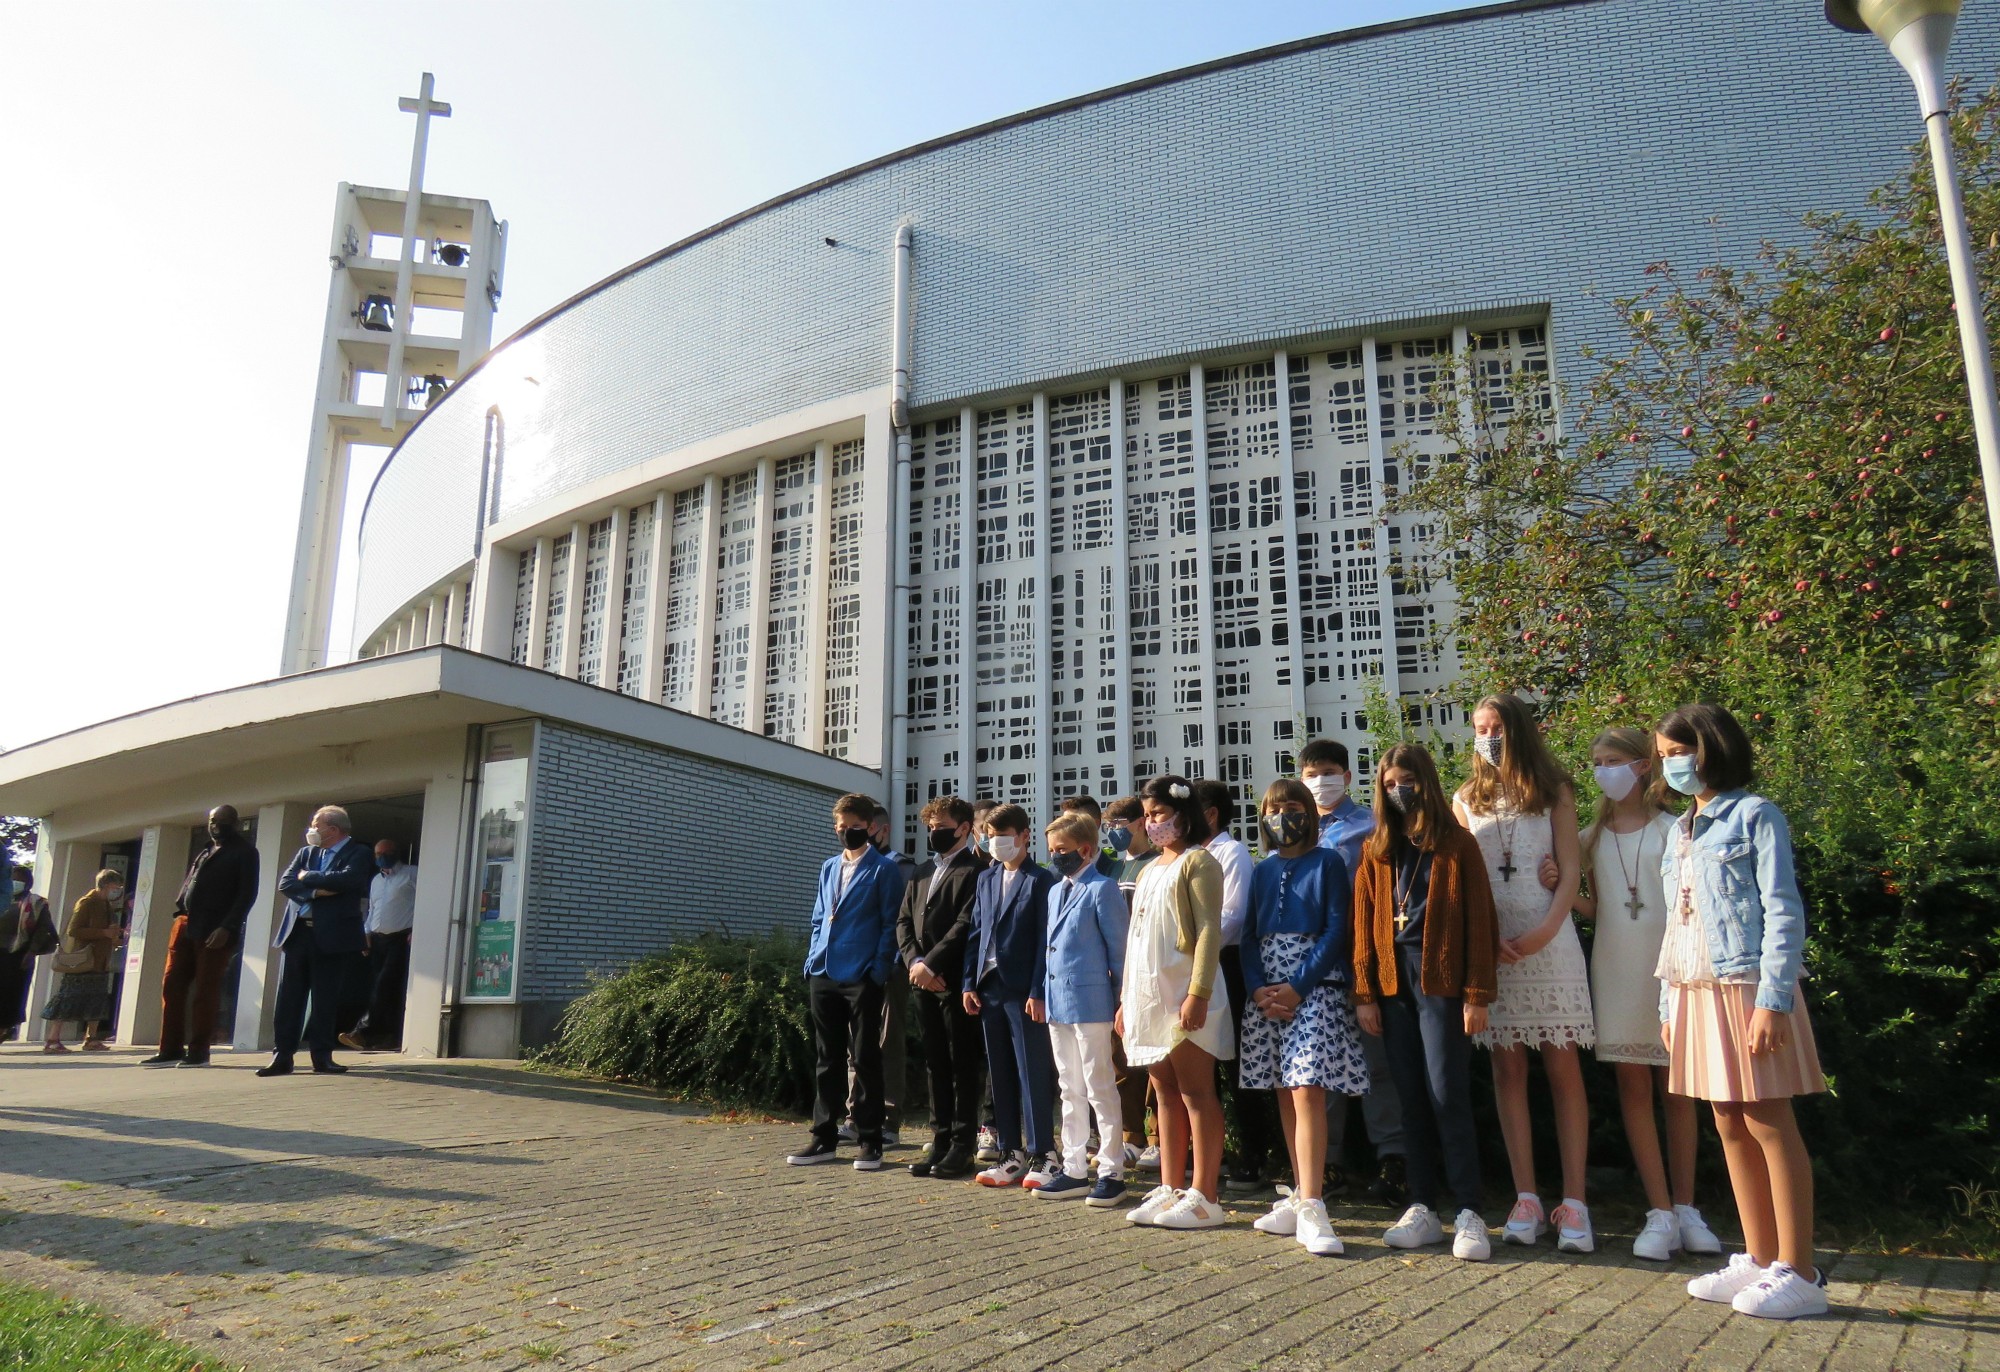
<point x="448" y="1214"/>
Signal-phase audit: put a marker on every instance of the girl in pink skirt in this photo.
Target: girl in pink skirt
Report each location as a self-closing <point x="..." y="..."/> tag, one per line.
<point x="1733" y="1020"/>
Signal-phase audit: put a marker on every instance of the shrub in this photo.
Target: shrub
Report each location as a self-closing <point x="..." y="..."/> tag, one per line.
<point x="715" y="1019"/>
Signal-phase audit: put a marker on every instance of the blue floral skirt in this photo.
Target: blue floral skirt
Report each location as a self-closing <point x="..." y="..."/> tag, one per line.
<point x="1319" y="1046"/>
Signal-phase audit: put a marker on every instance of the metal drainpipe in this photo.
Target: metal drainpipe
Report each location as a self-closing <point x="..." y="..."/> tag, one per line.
<point x="899" y="523"/>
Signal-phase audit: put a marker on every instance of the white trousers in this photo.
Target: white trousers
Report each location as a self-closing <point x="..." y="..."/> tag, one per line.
<point x="1085" y="1076"/>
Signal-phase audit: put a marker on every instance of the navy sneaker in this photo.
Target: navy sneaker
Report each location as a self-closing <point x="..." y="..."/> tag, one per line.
<point x="1062" y="1186"/>
<point x="1106" y="1193"/>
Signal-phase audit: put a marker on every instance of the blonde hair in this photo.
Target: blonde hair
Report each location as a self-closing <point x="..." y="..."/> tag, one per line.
<point x="110" y="876"/>
<point x="1636" y="744"/>
<point x="1077" y="826"/>
<point x="1528" y="778"/>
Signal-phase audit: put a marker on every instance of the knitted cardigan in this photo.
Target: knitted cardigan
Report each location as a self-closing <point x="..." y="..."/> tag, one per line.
<point x="1461" y="933"/>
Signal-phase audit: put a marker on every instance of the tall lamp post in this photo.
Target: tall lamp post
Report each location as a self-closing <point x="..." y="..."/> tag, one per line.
<point x="1917" y="33"/>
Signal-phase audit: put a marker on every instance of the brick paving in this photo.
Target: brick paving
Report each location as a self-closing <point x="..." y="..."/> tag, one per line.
<point x="437" y="1215"/>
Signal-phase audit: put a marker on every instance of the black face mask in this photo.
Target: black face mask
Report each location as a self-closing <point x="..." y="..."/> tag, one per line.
<point x="1066" y="864"/>
<point x="851" y="839"/>
<point x="1404" y="798"/>
<point x="1285" y="828"/>
<point x="943" y="840"/>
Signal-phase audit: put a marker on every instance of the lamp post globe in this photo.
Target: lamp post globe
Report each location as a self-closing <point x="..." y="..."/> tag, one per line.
<point x="1918" y="33"/>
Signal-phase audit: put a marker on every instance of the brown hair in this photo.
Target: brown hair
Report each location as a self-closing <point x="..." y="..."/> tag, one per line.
<point x="1723" y="757"/>
<point x="1636" y="744"/>
<point x="1082" y="805"/>
<point x="1528" y="778"/>
<point x="1421" y="826"/>
<point x="945" y="807"/>
<point x="110" y="876"/>
<point x="1127" y="808"/>
<point x="1286" y="788"/>
<point x="1009" y="817"/>
<point x="859" y="806"/>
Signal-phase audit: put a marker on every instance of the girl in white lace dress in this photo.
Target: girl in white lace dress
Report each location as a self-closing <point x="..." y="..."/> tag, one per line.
<point x="1520" y="807"/>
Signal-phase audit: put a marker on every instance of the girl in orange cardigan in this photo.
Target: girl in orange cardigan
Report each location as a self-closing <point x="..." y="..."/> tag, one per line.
<point x="1426" y="945"/>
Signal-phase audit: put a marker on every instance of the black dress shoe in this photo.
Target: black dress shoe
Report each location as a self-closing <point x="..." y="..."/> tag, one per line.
<point x="935" y="1154"/>
<point x="329" y="1068"/>
<point x="276" y="1067"/>
<point x="161" y="1060"/>
<point x="957" y="1163"/>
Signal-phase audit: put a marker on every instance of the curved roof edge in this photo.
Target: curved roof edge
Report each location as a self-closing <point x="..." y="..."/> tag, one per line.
<point x="1040" y="112"/>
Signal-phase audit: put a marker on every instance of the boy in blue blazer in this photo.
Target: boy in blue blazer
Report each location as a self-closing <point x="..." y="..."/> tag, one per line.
<point x="1085" y="968"/>
<point x="1003" y="985"/>
<point x="847" y="965"/>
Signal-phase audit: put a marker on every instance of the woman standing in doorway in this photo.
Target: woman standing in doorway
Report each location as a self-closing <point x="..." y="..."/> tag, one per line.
<point x="83" y="992"/>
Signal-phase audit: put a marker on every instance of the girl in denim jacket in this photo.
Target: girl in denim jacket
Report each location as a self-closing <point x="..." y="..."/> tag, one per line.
<point x="1735" y="1025"/>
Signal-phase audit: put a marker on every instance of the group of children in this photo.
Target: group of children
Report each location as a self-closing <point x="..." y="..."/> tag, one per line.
<point x="1435" y="924"/>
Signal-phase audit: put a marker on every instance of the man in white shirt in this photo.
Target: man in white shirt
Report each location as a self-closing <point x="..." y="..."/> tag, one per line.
<point x="1259" y="1142"/>
<point x="392" y="911"/>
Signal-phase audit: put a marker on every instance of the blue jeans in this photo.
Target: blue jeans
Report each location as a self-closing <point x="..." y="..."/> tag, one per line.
<point x="1430" y="1059"/>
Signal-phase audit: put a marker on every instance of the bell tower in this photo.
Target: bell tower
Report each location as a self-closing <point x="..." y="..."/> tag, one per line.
<point x="416" y="278"/>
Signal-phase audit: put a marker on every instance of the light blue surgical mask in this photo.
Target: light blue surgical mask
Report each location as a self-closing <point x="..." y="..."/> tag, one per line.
<point x="20" y="889"/>
<point x="1119" y="837"/>
<point x="1682" y="773"/>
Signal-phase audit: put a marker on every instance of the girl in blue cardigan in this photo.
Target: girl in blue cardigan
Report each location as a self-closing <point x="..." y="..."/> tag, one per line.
<point x="1299" y="1034"/>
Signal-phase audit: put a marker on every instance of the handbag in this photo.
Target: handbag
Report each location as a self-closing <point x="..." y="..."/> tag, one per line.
<point x="71" y="960"/>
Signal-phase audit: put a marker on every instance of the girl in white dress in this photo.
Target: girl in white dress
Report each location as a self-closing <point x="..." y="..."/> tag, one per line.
<point x="1622" y="851"/>
<point x="1520" y="808"/>
<point x="1174" y="1013"/>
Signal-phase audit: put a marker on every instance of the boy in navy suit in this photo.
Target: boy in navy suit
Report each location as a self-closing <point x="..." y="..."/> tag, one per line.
<point x="1005" y="968"/>
<point x="847" y="965"/>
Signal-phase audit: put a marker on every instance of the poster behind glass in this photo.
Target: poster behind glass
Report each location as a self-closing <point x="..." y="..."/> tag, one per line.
<point x="500" y="853"/>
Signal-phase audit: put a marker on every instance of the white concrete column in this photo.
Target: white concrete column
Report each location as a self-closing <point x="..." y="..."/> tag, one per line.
<point x="968" y="606"/>
<point x="872" y="727"/>
<point x="1294" y="577"/>
<point x="704" y="661"/>
<point x="281" y="833"/>
<point x="1044" y="673"/>
<point x="1121" y="586"/>
<point x="760" y="598"/>
<point x="821" y="554"/>
<point x="1385" y="597"/>
<point x="572" y="639"/>
<point x="454" y="613"/>
<point x="442" y="609"/>
<point x="651" y="676"/>
<point x="492" y="591"/>
<point x="1205" y="556"/>
<point x="439" y="896"/>
<point x="156" y="881"/>
<point x="538" y="616"/>
<point x="614" y="598"/>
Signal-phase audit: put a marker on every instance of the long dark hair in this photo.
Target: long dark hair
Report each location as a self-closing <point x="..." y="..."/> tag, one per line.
<point x="1723" y="756"/>
<point x="1432" y="816"/>
<point x="1177" y="793"/>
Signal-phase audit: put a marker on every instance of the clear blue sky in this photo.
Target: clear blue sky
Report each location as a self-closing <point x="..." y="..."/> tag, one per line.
<point x="172" y="169"/>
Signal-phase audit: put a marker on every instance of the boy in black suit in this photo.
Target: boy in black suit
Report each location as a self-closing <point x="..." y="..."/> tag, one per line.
<point x="931" y="931"/>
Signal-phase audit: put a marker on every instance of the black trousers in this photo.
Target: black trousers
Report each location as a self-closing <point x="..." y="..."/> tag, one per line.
<point x="955" y="1059"/>
<point x="847" y="1030"/>
<point x="308" y="975"/>
<point x="1257" y="1132"/>
<point x="1430" y="1059"/>
<point x="389" y="960"/>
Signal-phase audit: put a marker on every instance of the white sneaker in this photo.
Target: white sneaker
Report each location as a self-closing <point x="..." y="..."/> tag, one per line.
<point x="1573" y="1231"/>
<point x="1741" y="1274"/>
<point x="1524" y="1223"/>
<point x="1418" y="1227"/>
<point x="1283" y="1218"/>
<point x="1192" y="1211"/>
<point x="1152" y="1205"/>
<point x="1135" y="1156"/>
<point x="1660" y="1239"/>
<point x="1006" y="1172"/>
<point x="1696" y="1236"/>
<point x="1045" y="1170"/>
<point x="1314" y="1230"/>
<point x="1149" y="1158"/>
<point x="1470" y="1243"/>
<point x="1782" y="1294"/>
<point x="989" y="1146"/>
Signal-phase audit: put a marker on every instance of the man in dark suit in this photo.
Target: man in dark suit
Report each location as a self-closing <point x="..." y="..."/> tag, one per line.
<point x="847" y="965"/>
<point x="1005" y="968"/>
<point x="320" y="934"/>
<point x="931" y="930"/>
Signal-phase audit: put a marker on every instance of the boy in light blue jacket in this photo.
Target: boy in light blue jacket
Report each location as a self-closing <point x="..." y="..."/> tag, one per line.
<point x="1083" y="970"/>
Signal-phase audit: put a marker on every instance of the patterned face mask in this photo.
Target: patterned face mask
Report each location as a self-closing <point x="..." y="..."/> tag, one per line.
<point x="1490" y="747"/>
<point x="1286" y="828"/>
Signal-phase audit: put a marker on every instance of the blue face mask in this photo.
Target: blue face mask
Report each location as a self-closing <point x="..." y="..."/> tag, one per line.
<point x="1682" y="774"/>
<point x="386" y="864"/>
<point x="20" y="889"/>
<point x="1120" y="839"/>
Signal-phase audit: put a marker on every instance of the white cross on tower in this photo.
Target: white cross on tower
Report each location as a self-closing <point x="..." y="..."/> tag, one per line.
<point x="423" y="107"/>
